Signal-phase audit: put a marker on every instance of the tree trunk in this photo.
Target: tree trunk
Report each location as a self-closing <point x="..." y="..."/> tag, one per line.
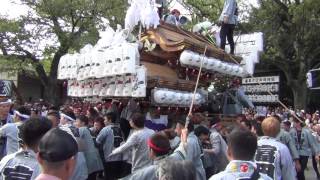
<point x="53" y="92"/>
<point x="300" y="94"/>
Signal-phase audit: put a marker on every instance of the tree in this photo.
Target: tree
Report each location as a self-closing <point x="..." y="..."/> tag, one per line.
<point x="52" y="29"/>
<point x="210" y="9"/>
<point x="292" y="41"/>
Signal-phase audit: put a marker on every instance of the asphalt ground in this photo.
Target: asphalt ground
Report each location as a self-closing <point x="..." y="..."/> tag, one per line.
<point x="310" y="173"/>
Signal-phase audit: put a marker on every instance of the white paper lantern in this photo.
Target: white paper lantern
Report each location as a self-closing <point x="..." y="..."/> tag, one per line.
<point x="81" y="89"/>
<point x="104" y="87"/>
<point x="62" y="67"/>
<point x="186" y="58"/>
<point x="88" y="88"/>
<point x="108" y="62"/>
<point x="139" y="86"/>
<point x="97" y="85"/>
<point x="111" y="87"/>
<point x="130" y="58"/>
<point x="160" y="96"/>
<point x="210" y="65"/>
<point x="119" y="87"/>
<point x="94" y="63"/>
<point x="74" y="68"/>
<point x="170" y="97"/>
<point x="118" y="56"/>
<point x="127" y="89"/>
<point x="196" y="59"/>
<point x="71" y="87"/>
<point x="198" y="99"/>
<point x="179" y="98"/>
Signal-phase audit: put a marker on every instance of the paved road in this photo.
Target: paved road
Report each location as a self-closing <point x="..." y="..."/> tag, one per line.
<point x="309" y="173"/>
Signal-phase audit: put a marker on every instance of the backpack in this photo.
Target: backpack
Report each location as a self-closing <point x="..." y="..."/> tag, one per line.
<point x="118" y="136"/>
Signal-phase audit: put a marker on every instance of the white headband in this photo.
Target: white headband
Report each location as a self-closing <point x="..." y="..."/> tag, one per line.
<point x="8" y="101"/>
<point x="67" y="117"/>
<point x="21" y="115"/>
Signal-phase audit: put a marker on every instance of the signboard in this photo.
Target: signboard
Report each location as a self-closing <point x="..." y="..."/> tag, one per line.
<point x="264" y="79"/>
<point x="5" y="88"/>
<point x="313" y="79"/>
<point x="249" y="47"/>
<point x="257" y="89"/>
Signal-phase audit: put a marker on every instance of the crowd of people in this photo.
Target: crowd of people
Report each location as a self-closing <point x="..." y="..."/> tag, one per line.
<point x="69" y="143"/>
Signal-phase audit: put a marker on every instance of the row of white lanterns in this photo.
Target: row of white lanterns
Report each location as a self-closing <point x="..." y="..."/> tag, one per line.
<point x="120" y="86"/>
<point x="161" y="96"/>
<point x="98" y="63"/>
<point x="192" y="59"/>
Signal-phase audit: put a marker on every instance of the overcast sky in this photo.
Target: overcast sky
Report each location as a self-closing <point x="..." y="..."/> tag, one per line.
<point x="14" y="9"/>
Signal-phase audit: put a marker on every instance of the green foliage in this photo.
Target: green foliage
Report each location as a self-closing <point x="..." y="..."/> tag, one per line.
<point x="55" y="27"/>
<point x="291" y="34"/>
<point x="13" y="66"/>
<point x="292" y="41"/>
<point x="209" y="9"/>
<point x="46" y="63"/>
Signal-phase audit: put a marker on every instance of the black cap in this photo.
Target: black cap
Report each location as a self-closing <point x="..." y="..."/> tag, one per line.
<point x="57" y="145"/>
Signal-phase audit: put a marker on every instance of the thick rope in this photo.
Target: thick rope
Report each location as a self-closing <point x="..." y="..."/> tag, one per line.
<point x="196" y="87"/>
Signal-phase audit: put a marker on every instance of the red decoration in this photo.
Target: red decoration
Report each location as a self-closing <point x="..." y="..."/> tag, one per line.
<point x="244" y="168"/>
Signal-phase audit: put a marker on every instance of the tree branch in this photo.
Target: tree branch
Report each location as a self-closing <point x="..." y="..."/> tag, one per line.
<point x="282" y="5"/>
<point x="28" y="55"/>
<point x="57" y="28"/>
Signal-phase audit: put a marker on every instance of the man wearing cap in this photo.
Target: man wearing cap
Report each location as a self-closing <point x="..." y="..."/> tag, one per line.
<point x="57" y="151"/>
<point x="11" y="130"/>
<point x="23" y="164"/>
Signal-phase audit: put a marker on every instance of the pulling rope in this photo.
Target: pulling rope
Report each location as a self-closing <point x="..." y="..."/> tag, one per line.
<point x="195" y="88"/>
<point x="270" y="93"/>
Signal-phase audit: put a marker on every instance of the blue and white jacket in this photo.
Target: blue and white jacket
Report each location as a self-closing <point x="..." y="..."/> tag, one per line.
<point x="237" y="170"/>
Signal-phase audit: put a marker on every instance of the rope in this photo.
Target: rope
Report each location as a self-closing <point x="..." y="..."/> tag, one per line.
<point x="270" y="93"/>
<point x="196" y="87"/>
<point x="234" y="60"/>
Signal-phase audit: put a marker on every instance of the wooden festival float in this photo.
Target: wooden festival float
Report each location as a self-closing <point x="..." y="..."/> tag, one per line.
<point x="159" y="69"/>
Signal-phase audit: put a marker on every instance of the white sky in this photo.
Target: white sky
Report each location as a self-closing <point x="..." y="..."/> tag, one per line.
<point x="13" y="8"/>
